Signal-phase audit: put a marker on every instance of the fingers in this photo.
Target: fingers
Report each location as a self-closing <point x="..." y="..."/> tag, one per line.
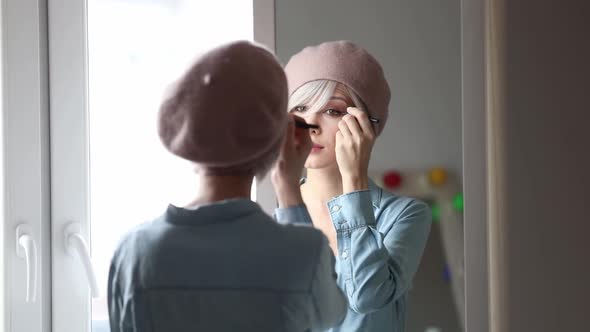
<point x="289" y="140"/>
<point x="304" y="143"/>
<point x="297" y="143"/>
<point x="290" y="134"/>
<point x="363" y="121"/>
<point x="353" y="125"/>
<point x="302" y="136"/>
<point x="339" y="138"/>
<point x="344" y="128"/>
<point x="295" y="117"/>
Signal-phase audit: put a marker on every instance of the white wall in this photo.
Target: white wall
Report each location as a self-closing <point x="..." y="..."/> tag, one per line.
<point x="418" y="44"/>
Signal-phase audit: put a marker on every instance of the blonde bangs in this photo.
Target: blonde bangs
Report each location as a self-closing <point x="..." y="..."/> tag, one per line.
<point x="316" y="94"/>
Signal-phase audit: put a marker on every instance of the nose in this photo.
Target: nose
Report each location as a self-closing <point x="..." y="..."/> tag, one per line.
<point x="313" y="118"/>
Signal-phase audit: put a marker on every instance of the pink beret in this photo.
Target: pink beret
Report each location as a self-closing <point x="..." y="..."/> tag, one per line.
<point x="346" y="63"/>
<point x="227" y="113"/>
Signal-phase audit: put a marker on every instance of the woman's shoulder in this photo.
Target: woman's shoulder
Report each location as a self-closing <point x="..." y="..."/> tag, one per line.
<point x="386" y="198"/>
<point x="133" y="241"/>
<point x="392" y="204"/>
<point x="305" y="235"/>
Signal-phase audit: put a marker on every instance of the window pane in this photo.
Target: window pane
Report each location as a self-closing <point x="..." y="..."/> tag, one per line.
<point x="136" y="48"/>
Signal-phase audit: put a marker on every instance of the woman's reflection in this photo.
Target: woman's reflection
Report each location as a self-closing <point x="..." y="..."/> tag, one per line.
<point x="377" y="237"/>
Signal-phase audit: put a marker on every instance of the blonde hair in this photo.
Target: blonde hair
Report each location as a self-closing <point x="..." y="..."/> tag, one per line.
<point x="317" y="94"/>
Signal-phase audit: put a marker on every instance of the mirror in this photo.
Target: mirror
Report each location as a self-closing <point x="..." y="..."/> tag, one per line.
<point x="419" y="153"/>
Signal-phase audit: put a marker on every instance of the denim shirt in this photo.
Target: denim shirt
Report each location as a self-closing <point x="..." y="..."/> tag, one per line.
<point x="381" y="238"/>
<point x="226" y="266"/>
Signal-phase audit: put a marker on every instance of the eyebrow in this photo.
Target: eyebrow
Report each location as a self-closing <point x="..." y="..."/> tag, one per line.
<point x="339" y="98"/>
<point x="372" y="119"/>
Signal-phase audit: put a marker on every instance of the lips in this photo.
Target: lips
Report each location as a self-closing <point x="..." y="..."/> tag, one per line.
<point x="316" y="147"/>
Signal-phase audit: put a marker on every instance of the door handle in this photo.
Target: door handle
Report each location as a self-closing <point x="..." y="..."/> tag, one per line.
<point x="26" y="248"/>
<point x="75" y="245"/>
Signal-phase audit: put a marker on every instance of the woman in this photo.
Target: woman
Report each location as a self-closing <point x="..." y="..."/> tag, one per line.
<point x="220" y="263"/>
<point x="377" y="237"/>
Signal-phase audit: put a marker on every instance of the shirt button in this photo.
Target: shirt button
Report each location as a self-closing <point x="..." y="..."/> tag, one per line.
<point x="335" y="208"/>
<point x="345" y="254"/>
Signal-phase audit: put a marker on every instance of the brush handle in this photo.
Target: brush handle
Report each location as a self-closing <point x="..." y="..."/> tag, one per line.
<point x="305" y="125"/>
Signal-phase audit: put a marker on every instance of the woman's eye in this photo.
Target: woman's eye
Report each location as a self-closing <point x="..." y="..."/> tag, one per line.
<point x="298" y="109"/>
<point x="333" y="112"/>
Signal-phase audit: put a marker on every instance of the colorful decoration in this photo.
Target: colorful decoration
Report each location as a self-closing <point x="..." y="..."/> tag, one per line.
<point x="423" y="182"/>
<point x="434" y="183"/>
<point x="392" y="179"/>
<point x="441" y="191"/>
<point x="435" y="210"/>
<point x="458" y="202"/>
<point x="437" y="176"/>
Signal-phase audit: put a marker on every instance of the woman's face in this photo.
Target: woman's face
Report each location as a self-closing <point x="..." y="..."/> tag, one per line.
<point x="323" y="153"/>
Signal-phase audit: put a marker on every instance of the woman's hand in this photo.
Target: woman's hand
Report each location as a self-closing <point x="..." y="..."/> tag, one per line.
<point x="286" y="173"/>
<point x="354" y="142"/>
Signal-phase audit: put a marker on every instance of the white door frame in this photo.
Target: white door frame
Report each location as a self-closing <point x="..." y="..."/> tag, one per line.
<point x="67" y="34"/>
<point x="25" y="165"/>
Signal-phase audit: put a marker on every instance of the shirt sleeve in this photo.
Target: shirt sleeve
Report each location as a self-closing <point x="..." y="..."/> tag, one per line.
<point x="118" y="319"/>
<point x="377" y="268"/>
<point x="114" y="301"/>
<point x="329" y="304"/>
<point x="293" y="215"/>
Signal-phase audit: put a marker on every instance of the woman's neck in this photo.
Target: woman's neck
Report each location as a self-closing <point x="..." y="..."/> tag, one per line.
<point x="214" y="188"/>
<point x="322" y="184"/>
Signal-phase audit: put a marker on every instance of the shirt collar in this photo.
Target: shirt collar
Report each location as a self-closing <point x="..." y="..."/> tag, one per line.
<point x="222" y="211"/>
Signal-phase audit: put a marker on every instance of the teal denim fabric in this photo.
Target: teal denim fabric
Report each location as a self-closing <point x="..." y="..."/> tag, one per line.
<point x="381" y="238"/>
<point x="226" y="266"/>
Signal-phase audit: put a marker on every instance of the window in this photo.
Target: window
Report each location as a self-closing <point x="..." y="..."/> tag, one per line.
<point x="135" y="50"/>
<point x="92" y="74"/>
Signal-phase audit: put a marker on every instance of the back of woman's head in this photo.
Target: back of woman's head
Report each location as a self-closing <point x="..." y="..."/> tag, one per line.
<point x="227" y="113"/>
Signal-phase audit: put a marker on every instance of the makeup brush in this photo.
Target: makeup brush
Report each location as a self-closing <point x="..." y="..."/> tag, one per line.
<point x="305" y="125"/>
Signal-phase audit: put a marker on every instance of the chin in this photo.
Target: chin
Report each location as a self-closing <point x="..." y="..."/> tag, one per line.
<point x="313" y="162"/>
